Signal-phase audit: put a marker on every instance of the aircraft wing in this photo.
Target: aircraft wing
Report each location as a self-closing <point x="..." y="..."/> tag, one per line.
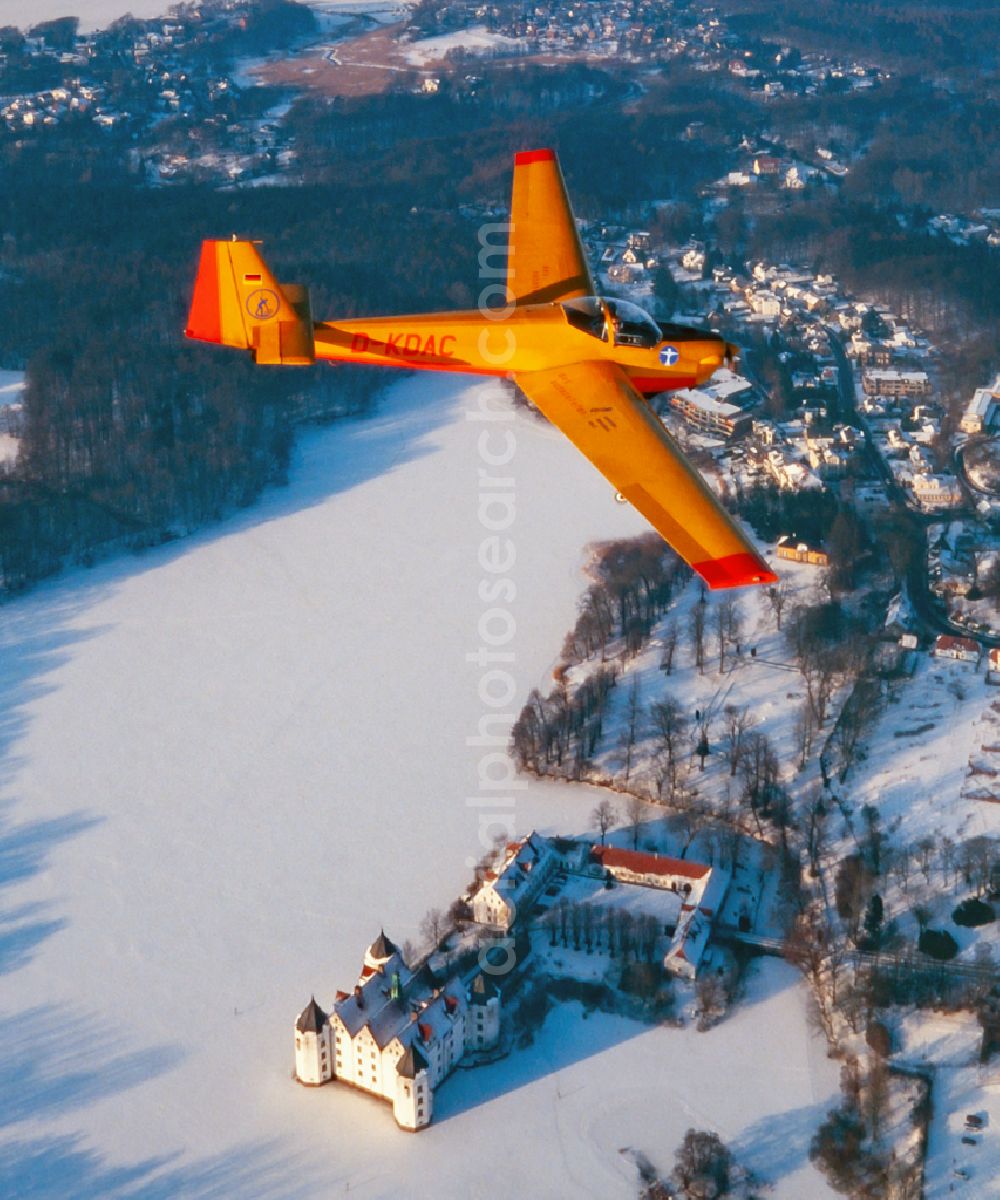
<point x="600" y="412"/>
<point x="547" y="261"/>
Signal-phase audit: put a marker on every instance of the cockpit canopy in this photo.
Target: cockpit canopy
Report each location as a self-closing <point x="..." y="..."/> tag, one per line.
<point x="633" y="325"/>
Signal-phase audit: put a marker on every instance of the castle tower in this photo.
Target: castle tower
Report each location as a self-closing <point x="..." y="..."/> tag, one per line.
<point x="413" y="1106"/>
<point x="313" y="1046"/>
<point x="483" y="1018"/>
<point x="378" y="954"/>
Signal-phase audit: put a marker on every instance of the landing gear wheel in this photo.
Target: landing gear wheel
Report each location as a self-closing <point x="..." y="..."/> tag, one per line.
<point x="620" y="498"/>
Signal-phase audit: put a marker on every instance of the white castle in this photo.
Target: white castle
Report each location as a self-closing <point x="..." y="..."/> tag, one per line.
<point x="396" y="1035"/>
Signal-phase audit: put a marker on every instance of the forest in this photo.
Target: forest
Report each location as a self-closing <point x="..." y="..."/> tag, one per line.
<point x="908" y="33"/>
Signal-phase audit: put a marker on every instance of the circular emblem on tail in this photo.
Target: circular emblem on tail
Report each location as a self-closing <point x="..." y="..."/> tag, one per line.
<point x="669" y="356"/>
<point x="262" y="304"/>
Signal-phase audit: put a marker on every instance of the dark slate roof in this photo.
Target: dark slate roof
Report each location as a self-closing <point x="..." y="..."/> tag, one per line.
<point x="382" y="947"/>
<point x="482" y="990"/>
<point x="312" y="1018"/>
<point x="411" y="1064"/>
<point x="375" y="993"/>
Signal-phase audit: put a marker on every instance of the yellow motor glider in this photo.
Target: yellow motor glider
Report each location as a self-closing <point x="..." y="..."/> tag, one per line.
<point x="585" y="361"/>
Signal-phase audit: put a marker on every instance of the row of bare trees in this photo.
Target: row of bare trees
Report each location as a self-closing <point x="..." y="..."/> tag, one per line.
<point x="593" y="927"/>
<point x="722" y="623"/>
<point x="634" y="580"/>
<point x="559" y="733"/>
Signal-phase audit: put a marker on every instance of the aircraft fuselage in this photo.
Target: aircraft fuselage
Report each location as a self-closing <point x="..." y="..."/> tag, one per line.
<point x="527" y="338"/>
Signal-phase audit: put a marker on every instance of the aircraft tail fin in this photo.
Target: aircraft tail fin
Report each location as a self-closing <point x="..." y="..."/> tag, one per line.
<point x="238" y="302"/>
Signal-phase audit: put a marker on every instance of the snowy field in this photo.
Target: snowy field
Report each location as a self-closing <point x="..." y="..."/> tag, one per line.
<point x="962" y="1086"/>
<point x="11" y="388"/>
<point x="226" y="764"/>
<point x="477" y="39"/>
<point x="922" y="749"/>
<point x="98" y="14"/>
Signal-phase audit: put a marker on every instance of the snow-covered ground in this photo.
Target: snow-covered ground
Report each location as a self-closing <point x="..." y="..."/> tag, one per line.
<point x="224" y="765"/>
<point x="962" y="1086"/>
<point x="477" y="39"/>
<point x="11" y="388"/>
<point x="921" y="750"/>
<point x="763" y="679"/>
<point x="98" y="14"/>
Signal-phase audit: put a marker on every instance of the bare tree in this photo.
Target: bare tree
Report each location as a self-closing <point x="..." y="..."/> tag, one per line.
<point x="670" y="724"/>
<point x="876" y="1095"/>
<point x="903" y="861"/>
<point x="819" y="673"/>
<point x="922" y="915"/>
<point x="698" y="636"/>
<point x="947" y="860"/>
<point x="727" y="627"/>
<point x="588" y="926"/>
<point x="701" y="746"/>
<point x="600" y="616"/>
<point x="759" y="771"/>
<point x="815" y="828"/>
<point x="669" y="643"/>
<point x="856" y="720"/>
<point x="738" y="722"/>
<point x="634" y="809"/>
<point x="925" y="848"/>
<point x="778" y="595"/>
<point x="433" y="927"/>
<point x="734" y="620"/>
<point x="563" y="909"/>
<point x="805" y="731"/>
<point x="721" y="636"/>
<point x="711" y="995"/>
<point x="632" y="714"/>
<point x="807" y="947"/>
<point x="692" y="817"/>
<point x="604" y="816"/>
<point x="703" y="1166"/>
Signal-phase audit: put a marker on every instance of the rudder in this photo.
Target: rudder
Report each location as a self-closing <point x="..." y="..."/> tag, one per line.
<point x="238" y="302"/>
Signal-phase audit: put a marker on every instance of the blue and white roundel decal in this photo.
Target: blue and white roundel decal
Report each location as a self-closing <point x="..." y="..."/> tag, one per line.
<point x="669" y="355"/>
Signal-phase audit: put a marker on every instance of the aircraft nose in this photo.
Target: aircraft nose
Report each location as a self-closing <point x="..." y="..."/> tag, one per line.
<point x="713" y="351"/>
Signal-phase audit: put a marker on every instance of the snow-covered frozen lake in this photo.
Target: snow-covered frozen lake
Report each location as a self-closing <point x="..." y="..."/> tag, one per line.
<point x="97" y="14"/>
<point x="226" y="764"/>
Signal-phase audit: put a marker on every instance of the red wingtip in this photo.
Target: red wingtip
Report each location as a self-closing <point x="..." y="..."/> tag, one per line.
<point x="205" y="318"/>
<point x="529" y="156"/>
<point x="735" y="570"/>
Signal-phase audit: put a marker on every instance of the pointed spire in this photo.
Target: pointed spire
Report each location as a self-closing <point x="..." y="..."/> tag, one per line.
<point x="482" y="989"/>
<point x="411" y="1064"/>
<point x="312" y="1018"/>
<point x="382" y="947"/>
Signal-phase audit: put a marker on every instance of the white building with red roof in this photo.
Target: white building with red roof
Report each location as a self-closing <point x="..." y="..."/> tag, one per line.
<point x="703" y="890"/>
<point x="961" y="648"/>
<point x="396" y="1035"/>
<point x="515" y="882"/>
